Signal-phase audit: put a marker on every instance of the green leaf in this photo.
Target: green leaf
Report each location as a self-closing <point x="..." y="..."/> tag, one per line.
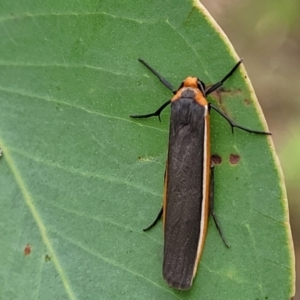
<point x="79" y="179"/>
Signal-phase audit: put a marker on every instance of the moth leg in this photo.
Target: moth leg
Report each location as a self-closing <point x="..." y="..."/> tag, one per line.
<point x="211" y="206"/>
<point x="162" y="79"/>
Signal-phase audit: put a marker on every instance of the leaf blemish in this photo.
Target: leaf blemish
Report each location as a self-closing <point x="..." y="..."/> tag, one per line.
<point x="145" y="159"/>
<point x="47" y="258"/>
<point x="234" y="159"/>
<point x="216" y="159"/>
<point x="27" y="250"/>
<point x="247" y="102"/>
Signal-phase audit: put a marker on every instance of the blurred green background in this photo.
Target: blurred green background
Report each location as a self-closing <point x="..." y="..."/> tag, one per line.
<point x="267" y="35"/>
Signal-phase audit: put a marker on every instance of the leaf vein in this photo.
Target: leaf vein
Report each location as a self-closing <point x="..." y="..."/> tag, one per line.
<point x="37" y="218"/>
<point x="48" y="99"/>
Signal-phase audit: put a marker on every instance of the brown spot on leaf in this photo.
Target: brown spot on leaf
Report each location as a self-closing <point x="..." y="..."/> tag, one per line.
<point x="223" y="90"/>
<point x="216" y="159"/>
<point x="217" y="95"/>
<point x="247" y="101"/>
<point x="27" y="250"/>
<point x="234" y="159"/>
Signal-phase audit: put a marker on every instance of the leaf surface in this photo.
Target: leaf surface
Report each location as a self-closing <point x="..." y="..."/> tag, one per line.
<point x="79" y="179"/>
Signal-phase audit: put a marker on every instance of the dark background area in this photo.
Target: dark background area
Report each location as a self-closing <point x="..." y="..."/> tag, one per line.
<point x="267" y="35"/>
